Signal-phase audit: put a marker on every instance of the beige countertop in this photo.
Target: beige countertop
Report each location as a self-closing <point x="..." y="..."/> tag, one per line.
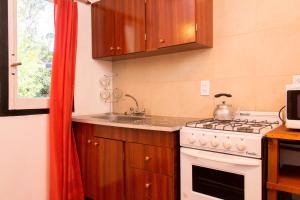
<point x="155" y="123"/>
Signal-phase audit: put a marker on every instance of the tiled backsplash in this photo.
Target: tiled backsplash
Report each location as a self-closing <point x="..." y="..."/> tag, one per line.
<point x="256" y="52"/>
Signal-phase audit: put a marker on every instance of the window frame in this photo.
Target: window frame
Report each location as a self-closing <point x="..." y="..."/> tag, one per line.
<point x="5" y="105"/>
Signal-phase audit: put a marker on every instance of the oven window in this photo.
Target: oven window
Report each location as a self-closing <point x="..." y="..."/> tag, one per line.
<point x="219" y="184"/>
<point x="293" y="105"/>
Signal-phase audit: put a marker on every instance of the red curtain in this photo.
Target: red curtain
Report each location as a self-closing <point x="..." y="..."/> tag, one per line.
<point x="65" y="179"/>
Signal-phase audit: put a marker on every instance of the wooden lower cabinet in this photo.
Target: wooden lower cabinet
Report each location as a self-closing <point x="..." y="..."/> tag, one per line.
<point x="150" y="172"/>
<point x="116" y="165"/>
<point x="142" y="184"/>
<point x="85" y="148"/>
<point x="109" y="169"/>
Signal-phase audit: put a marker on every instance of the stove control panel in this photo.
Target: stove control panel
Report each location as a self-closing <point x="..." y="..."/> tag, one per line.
<point x="243" y="144"/>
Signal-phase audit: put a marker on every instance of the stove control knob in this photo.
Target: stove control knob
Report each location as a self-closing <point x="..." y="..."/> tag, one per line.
<point x="241" y="146"/>
<point x="203" y="141"/>
<point x="227" y="144"/>
<point x="192" y="139"/>
<point x="214" y="142"/>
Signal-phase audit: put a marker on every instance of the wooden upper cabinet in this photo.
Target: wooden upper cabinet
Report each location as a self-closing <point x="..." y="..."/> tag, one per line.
<point x="150" y="27"/>
<point x="134" y="26"/>
<point x="118" y="27"/>
<point x="103" y="29"/>
<point x="177" y="22"/>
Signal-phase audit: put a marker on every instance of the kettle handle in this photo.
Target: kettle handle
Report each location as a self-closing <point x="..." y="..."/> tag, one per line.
<point x="222" y="94"/>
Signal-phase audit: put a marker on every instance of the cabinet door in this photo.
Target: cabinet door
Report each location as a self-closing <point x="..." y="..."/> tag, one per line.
<point x="119" y="26"/>
<point x="109" y="169"/>
<point x="177" y="22"/>
<point x="159" y="160"/>
<point x="151" y="158"/>
<point x="133" y="29"/>
<point x="143" y="185"/>
<point x="152" y="41"/>
<point x="84" y="139"/>
<point x="103" y="28"/>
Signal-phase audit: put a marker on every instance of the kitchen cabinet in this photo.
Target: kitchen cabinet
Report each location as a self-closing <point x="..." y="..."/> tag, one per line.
<point x="176" y="22"/>
<point x="101" y="163"/>
<point x="125" y="163"/>
<point x="282" y="177"/>
<point x="103" y="26"/>
<point x="150" y="172"/>
<point x="145" y="185"/>
<point x="118" y="27"/>
<point x="109" y="169"/>
<point x="85" y="149"/>
<point x="151" y="158"/>
<point x="139" y="28"/>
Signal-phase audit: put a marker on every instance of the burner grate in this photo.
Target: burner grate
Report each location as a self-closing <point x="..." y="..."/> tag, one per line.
<point x="237" y="125"/>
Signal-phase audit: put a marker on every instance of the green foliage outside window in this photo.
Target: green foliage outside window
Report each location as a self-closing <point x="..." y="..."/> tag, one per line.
<point x="35" y="36"/>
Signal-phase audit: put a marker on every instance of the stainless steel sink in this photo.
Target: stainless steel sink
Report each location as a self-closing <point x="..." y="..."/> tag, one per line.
<point x="120" y="118"/>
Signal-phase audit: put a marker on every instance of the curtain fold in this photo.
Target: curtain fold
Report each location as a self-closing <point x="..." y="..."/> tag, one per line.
<point x="65" y="179"/>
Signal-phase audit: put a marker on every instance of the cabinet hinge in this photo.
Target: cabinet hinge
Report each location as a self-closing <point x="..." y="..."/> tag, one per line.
<point x="196" y="27"/>
<point x="145" y="36"/>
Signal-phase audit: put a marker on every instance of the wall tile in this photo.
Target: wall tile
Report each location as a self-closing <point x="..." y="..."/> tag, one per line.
<point x="234" y="56"/>
<point x="233" y="17"/>
<point x="278" y="51"/>
<point x="277" y="13"/>
<point x="270" y="92"/>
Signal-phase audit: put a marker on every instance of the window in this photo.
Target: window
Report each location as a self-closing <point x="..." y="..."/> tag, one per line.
<point x="31" y="42"/>
<point x="26" y="43"/>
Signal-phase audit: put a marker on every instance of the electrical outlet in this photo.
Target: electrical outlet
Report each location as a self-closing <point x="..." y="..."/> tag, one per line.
<point x="205" y="88"/>
<point x="296" y="79"/>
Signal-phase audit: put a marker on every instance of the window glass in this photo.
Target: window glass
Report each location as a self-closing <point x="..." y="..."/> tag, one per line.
<point x="35" y="42"/>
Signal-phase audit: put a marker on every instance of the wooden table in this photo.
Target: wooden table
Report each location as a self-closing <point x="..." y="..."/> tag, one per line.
<point x="285" y="178"/>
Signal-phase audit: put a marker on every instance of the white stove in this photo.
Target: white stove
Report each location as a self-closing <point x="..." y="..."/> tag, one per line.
<point x="223" y="159"/>
<point x="241" y="136"/>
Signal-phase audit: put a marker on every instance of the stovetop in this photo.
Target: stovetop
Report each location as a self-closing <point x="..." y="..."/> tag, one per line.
<point x="241" y="136"/>
<point x="236" y="125"/>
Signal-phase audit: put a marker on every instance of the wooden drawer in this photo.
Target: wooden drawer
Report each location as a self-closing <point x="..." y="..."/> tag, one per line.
<point x="143" y="185"/>
<point x="151" y="158"/>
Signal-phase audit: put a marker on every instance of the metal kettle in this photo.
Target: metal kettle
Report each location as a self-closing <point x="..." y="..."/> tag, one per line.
<point x="223" y="112"/>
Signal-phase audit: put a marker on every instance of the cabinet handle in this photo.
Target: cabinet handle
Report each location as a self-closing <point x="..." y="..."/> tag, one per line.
<point x="112" y="48"/>
<point x="96" y="144"/>
<point x="119" y="48"/>
<point x="147" y="158"/>
<point x="148" y="185"/>
<point x="162" y="41"/>
<point x="89" y="141"/>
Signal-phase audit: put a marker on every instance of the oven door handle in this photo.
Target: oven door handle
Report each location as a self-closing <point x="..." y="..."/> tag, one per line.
<point x="221" y="158"/>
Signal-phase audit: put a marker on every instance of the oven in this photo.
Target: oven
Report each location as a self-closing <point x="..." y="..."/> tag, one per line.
<point x="213" y="176"/>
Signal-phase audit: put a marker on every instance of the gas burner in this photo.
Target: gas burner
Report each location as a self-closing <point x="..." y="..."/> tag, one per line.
<point x="245" y="129"/>
<point x="236" y="125"/>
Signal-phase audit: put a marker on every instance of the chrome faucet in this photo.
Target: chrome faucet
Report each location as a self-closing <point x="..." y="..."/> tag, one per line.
<point x="136" y="111"/>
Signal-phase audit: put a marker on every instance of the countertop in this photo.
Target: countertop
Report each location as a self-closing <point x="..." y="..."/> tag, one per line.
<point x="283" y="133"/>
<point x="155" y="123"/>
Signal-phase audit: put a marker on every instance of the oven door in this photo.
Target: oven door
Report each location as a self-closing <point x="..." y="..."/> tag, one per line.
<point x="214" y="176"/>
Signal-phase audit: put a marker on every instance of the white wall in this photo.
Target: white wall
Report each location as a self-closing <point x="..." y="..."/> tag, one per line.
<point x="24" y="140"/>
<point x="23" y="157"/>
<point x="88" y="71"/>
